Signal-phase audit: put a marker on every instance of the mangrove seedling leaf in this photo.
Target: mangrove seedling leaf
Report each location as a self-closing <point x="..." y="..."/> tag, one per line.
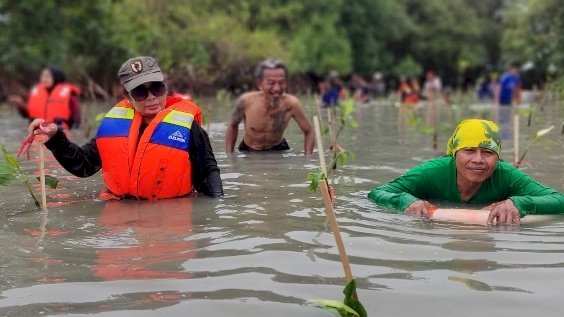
<point x="351" y="299"/>
<point x="7" y="179"/>
<point x="347" y="107"/>
<point x="544" y="131"/>
<point x="6" y="168"/>
<point x="335" y="305"/>
<point x="343" y="155"/>
<point x="427" y="129"/>
<point x="525" y="112"/>
<point x="314" y="179"/>
<point x="50" y="181"/>
<point x="353" y="123"/>
<point x="10" y="159"/>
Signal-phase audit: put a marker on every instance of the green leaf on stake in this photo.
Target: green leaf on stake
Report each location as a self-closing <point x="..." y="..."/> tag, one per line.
<point x="6" y="168"/>
<point x="315" y="178"/>
<point x="10" y="159"/>
<point x="335" y="305"/>
<point x="353" y="123"/>
<point x="50" y="181"/>
<point x="351" y="300"/>
<point x="343" y="155"/>
<point x="7" y="179"/>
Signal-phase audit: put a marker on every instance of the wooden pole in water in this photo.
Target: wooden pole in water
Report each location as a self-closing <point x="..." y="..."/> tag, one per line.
<point x="319" y="142"/>
<point x="318" y="108"/>
<point x="42" y="177"/>
<point x="515" y="139"/>
<point x="333" y="134"/>
<point x="435" y="119"/>
<point x="43" y="190"/>
<point x="329" y="207"/>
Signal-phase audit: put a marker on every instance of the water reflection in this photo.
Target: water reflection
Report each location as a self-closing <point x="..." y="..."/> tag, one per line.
<point x="145" y="240"/>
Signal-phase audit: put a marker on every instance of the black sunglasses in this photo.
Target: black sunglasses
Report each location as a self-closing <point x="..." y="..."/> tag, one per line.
<point x="157" y="89"/>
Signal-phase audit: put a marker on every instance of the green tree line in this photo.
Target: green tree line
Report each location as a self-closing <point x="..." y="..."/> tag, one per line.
<point x="210" y="44"/>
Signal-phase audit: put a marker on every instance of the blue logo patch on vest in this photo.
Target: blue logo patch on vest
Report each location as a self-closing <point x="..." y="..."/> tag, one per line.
<point x="171" y="135"/>
<point x="112" y="127"/>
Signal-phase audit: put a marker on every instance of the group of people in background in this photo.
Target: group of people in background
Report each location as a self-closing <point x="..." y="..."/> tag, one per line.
<point x="55" y="99"/>
<point x="503" y="90"/>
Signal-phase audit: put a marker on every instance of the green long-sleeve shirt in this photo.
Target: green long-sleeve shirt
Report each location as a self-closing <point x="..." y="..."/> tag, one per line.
<point x="435" y="180"/>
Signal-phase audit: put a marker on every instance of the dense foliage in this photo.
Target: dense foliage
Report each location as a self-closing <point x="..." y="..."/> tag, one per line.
<point x="215" y="43"/>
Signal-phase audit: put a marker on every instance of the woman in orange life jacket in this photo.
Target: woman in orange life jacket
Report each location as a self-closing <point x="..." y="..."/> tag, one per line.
<point x="53" y="99"/>
<point x="409" y="94"/>
<point x="171" y="92"/>
<point x="149" y="145"/>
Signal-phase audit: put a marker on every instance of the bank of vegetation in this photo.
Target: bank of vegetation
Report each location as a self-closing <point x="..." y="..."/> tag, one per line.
<point x="213" y="44"/>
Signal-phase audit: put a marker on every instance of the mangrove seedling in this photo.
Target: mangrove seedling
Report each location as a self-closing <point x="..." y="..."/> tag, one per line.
<point x="538" y="135"/>
<point x="349" y="307"/>
<point x="11" y="173"/>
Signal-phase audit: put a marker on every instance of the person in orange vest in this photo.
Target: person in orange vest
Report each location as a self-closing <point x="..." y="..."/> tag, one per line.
<point x="409" y="94"/>
<point x="171" y="92"/>
<point x="53" y="99"/>
<point x="148" y="145"/>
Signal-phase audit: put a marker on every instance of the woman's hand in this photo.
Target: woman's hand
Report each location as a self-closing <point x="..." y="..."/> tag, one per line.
<point x="420" y="208"/>
<point x="503" y="213"/>
<point x="39" y="127"/>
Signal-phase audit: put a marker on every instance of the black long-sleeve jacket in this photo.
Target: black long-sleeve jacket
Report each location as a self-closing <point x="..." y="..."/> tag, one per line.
<point x="84" y="161"/>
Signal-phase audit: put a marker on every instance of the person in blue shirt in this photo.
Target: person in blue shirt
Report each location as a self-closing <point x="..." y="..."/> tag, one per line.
<point x="509" y="88"/>
<point x="486" y="89"/>
<point x="331" y="97"/>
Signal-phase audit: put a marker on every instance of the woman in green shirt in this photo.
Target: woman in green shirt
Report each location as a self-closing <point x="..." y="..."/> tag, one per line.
<point x="470" y="173"/>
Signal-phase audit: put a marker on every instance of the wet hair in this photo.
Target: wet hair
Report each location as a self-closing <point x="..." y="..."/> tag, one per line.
<point x="515" y="64"/>
<point x="57" y="73"/>
<point x="269" y="64"/>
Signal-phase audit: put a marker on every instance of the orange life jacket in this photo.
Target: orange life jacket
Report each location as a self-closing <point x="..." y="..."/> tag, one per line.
<point x="54" y="105"/>
<point x="408" y="95"/>
<point x="196" y="111"/>
<point x="154" y="165"/>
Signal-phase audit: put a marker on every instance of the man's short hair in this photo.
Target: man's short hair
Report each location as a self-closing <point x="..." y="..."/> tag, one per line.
<point x="269" y="64"/>
<point x="515" y="64"/>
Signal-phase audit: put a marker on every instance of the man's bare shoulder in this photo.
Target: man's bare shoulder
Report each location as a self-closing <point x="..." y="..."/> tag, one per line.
<point x="248" y="97"/>
<point x="292" y="101"/>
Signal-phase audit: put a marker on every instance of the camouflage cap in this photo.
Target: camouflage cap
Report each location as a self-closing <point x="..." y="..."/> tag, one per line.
<point x="139" y="70"/>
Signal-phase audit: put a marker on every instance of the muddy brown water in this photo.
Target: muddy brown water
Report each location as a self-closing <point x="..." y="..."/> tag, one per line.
<point x="264" y="249"/>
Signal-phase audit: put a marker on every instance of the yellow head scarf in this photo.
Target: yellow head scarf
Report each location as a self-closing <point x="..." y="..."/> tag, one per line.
<point x="475" y="133"/>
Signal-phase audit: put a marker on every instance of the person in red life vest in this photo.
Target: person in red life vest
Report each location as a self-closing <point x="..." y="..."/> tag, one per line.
<point x="52" y="99"/>
<point x="171" y="92"/>
<point x="409" y="94"/>
<point x="148" y="145"/>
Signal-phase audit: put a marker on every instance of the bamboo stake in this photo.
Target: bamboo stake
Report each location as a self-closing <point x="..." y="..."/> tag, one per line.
<point x="44" y="220"/>
<point x="318" y="108"/>
<point x="434" y="118"/>
<point x="329" y="207"/>
<point x="333" y="133"/>
<point x="42" y="177"/>
<point x="319" y="142"/>
<point x="515" y="139"/>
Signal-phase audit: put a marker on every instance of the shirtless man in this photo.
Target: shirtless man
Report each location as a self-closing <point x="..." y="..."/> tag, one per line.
<point x="266" y="113"/>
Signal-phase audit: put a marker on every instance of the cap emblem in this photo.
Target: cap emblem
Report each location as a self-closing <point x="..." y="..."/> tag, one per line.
<point x="136" y="66"/>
